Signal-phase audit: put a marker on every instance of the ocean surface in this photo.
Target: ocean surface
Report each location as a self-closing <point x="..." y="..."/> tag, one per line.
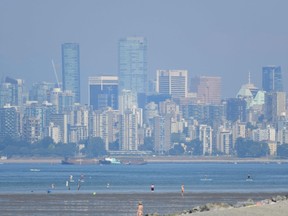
<point x="167" y="177"/>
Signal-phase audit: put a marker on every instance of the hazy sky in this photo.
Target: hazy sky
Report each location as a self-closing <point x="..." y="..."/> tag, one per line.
<point x="224" y="38"/>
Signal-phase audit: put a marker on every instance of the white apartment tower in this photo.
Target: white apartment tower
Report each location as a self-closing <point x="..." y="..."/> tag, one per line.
<point x="172" y="82"/>
<point x="205" y="136"/>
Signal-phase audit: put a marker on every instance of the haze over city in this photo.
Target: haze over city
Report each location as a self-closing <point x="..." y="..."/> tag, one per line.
<point x="213" y="38"/>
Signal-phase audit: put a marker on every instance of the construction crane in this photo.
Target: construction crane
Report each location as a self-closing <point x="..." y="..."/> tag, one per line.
<point x="55" y="73"/>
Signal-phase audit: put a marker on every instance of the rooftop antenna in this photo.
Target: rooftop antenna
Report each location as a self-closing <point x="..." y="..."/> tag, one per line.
<point x="55" y="73"/>
<point x="249" y="77"/>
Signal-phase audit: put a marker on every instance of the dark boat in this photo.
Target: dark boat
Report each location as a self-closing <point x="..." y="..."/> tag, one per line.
<point x="66" y="162"/>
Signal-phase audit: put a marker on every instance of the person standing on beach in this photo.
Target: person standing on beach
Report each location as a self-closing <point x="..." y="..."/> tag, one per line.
<point x="152" y="187"/>
<point x="140" y="209"/>
<point x="182" y="190"/>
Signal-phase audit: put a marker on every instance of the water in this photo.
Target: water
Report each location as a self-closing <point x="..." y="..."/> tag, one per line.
<point x="167" y="177"/>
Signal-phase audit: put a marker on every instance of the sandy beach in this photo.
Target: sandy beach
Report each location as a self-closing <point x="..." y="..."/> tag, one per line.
<point x="275" y="209"/>
<point x="120" y="204"/>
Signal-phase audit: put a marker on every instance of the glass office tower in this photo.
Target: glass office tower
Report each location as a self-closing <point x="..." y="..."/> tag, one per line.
<point x="272" y="79"/>
<point x="133" y="64"/>
<point x="71" y="69"/>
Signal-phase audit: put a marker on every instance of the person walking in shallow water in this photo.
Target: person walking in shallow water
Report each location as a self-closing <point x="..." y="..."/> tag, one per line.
<point x="140" y="209"/>
<point x="182" y="190"/>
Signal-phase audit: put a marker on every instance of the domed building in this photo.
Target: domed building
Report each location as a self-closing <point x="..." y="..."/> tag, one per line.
<point x="251" y="94"/>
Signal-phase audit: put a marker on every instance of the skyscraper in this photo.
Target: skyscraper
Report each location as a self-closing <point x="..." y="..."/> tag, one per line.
<point x="172" y="82"/>
<point x="71" y="69"/>
<point x="103" y="92"/>
<point x="272" y="79"/>
<point x="133" y="64"/>
<point x="209" y="90"/>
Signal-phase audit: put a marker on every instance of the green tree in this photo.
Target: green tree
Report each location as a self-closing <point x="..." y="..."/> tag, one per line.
<point x="114" y="146"/>
<point x="95" y="147"/>
<point x="250" y="148"/>
<point x="177" y="150"/>
<point x="282" y="150"/>
<point x="194" y="147"/>
<point x="148" y="144"/>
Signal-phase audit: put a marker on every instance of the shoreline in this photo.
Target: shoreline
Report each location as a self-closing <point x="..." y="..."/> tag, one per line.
<point x="160" y="159"/>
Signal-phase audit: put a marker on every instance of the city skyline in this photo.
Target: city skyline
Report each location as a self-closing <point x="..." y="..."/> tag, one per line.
<point x="222" y="38"/>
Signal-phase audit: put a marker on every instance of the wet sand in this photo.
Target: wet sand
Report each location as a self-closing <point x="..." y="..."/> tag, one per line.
<point x="114" y="204"/>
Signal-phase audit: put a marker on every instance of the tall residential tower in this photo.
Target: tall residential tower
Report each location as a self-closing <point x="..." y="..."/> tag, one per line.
<point x="71" y="69"/>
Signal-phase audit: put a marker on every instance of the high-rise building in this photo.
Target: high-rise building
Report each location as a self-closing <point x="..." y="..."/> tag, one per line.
<point x="272" y="79"/>
<point x="40" y="91"/>
<point x="61" y="121"/>
<point x="162" y="134"/>
<point x="133" y="64"/>
<point x="127" y="100"/>
<point x="224" y="141"/>
<point x="128" y="134"/>
<point x="209" y="90"/>
<point x="9" y="122"/>
<point x="104" y="124"/>
<point x="172" y="82"/>
<point x="205" y="136"/>
<point x="103" y="92"/>
<point x="12" y="92"/>
<point x="71" y="69"/>
<point x="275" y="106"/>
<point x="236" y="109"/>
<point x="32" y="129"/>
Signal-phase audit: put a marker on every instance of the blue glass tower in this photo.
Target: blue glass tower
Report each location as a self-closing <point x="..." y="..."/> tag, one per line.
<point x="71" y="69"/>
<point x="133" y="64"/>
<point x="272" y="79"/>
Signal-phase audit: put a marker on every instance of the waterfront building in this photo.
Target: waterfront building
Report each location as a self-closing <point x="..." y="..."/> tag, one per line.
<point x="162" y="134"/>
<point x="9" y="122"/>
<point x="71" y="69"/>
<point x="32" y="129"/>
<point x="172" y="82"/>
<point x="33" y="110"/>
<point x="78" y="123"/>
<point x="133" y="64"/>
<point x="275" y="106"/>
<point x="54" y="132"/>
<point x="103" y="92"/>
<point x="224" y="141"/>
<point x="127" y="100"/>
<point x="272" y="80"/>
<point x="238" y="130"/>
<point x="209" y="90"/>
<point x="205" y="136"/>
<point x="265" y="134"/>
<point x="12" y="92"/>
<point x="104" y="124"/>
<point x="235" y="109"/>
<point x="128" y="134"/>
<point x="61" y="121"/>
<point x="282" y="135"/>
